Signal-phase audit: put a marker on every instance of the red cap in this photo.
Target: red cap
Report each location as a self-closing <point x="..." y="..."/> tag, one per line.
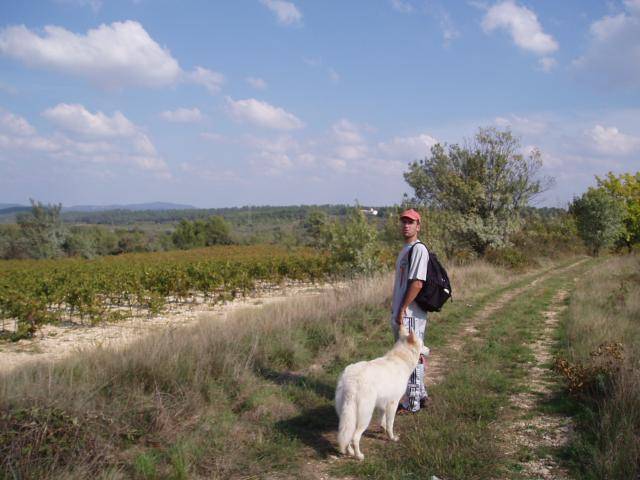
<point x="411" y="213"/>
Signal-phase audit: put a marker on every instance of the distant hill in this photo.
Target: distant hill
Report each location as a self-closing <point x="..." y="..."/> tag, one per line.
<point x="13" y="209"/>
<point x="4" y="206"/>
<point x="155" y="206"/>
<point x="247" y="215"/>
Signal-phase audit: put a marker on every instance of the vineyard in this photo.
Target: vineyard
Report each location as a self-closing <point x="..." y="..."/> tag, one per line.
<point x="35" y="292"/>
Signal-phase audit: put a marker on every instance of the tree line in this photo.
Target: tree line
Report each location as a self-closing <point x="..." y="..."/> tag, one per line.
<point x="40" y="233"/>
<point x="475" y="198"/>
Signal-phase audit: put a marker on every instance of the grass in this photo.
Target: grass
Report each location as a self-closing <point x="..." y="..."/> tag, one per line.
<point x="251" y="394"/>
<point x="458" y="435"/>
<point x="605" y="309"/>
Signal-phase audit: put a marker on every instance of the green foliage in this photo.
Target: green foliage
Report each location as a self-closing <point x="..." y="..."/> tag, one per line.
<point x="39" y="292"/>
<point x="353" y="244"/>
<point x="509" y="257"/>
<point x="598" y="217"/>
<point x="547" y="233"/>
<point x="626" y="187"/>
<point x="12" y="244"/>
<point x="42" y="231"/>
<point x="315" y="227"/>
<point x="145" y="466"/>
<point x="483" y="186"/>
<point x="202" y="233"/>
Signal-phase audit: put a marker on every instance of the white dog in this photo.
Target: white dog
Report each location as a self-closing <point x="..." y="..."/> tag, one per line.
<point x="375" y="385"/>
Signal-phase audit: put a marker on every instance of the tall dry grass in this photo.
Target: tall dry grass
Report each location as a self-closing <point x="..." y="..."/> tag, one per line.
<point x="605" y="310"/>
<point x="195" y="385"/>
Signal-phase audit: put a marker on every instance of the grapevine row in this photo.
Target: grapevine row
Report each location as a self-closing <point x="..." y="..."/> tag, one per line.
<point x="34" y="292"/>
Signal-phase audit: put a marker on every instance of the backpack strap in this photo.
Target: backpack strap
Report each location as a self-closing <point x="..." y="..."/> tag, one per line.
<point x="411" y="252"/>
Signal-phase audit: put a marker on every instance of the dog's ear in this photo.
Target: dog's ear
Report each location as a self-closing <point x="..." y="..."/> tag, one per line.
<point x="411" y="339"/>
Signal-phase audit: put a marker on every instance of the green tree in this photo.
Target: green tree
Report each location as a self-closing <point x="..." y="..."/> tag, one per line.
<point x="598" y="217"/>
<point x="186" y="235"/>
<point x="216" y="231"/>
<point x="201" y="233"/>
<point x="353" y="244"/>
<point x="80" y="243"/>
<point x="132" y="240"/>
<point x="315" y="227"/>
<point x="483" y="185"/>
<point x="42" y="230"/>
<point x="626" y="187"/>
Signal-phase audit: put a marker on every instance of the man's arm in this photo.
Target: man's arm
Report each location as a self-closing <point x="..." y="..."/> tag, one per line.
<point x="412" y="292"/>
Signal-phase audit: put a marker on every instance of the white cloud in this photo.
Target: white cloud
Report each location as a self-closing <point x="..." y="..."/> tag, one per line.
<point x="17" y="135"/>
<point x="402" y="6"/>
<point x="262" y="114"/>
<point x="336" y="164"/>
<point x="209" y="79"/>
<point x="273" y="156"/>
<point x="523" y="26"/>
<point x="77" y="119"/>
<point x="351" y="152"/>
<point x="136" y="151"/>
<point x="183" y="115"/>
<point x="112" y="56"/>
<point x="345" y="131"/>
<point x="449" y="31"/>
<point x="547" y="63"/>
<point x="15" y="124"/>
<point x="408" y="148"/>
<point x="100" y="138"/>
<point x="480" y="5"/>
<point x="287" y="12"/>
<point x="610" y="141"/>
<point x="257" y="83"/>
<point x="523" y="125"/>
<point x="612" y="57"/>
<point x="633" y="5"/>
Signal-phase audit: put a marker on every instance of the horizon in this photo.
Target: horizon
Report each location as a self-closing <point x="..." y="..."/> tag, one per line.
<point x="280" y="103"/>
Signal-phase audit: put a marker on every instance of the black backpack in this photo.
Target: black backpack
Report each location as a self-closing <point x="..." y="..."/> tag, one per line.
<point x="436" y="290"/>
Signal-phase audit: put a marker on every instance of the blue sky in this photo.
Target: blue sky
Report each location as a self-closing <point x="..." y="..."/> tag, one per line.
<point x="295" y="102"/>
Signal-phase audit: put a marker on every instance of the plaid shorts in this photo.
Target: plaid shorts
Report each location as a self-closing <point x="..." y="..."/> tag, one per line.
<point x="416" y="390"/>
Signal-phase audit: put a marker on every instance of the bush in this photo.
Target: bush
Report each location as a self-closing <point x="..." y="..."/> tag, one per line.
<point x="509" y="258"/>
<point x="353" y="244"/>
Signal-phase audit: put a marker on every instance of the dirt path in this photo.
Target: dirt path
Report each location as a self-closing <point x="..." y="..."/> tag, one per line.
<point x="53" y="342"/>
<point x="530" y="431"/>
<point x="438" y="364"/>
<point x="440" y="359"/>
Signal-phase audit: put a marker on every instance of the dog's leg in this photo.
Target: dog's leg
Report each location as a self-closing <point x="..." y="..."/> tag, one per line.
<point x="356" y="442"/>
<point x="390" y="417"/>
<point x="365" y="412"/>
<point x="350" y="449"/>
<point x="383" y="420"/>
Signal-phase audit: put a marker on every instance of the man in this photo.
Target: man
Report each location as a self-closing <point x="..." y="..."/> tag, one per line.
<point x="408" y="282"/>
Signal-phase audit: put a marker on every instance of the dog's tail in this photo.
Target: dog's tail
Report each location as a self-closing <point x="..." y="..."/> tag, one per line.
<point x="348" y="412"/>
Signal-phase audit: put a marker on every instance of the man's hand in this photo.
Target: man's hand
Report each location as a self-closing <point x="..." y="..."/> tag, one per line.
<point x="412" y="292"/>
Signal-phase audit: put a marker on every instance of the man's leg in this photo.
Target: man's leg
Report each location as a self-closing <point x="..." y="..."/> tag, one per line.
<point x="416" y="390"/>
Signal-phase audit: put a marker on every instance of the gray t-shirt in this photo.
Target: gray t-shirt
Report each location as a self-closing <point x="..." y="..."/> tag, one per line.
<point x="405" y="272"/>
